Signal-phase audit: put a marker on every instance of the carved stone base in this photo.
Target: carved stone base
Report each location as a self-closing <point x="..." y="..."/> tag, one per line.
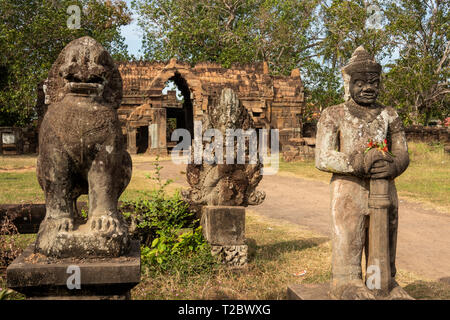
<point x="80" y="242"/>
<point x="233" y="255"/>
<point x="40" y="277"/>
<point x="321" y="291"/>
<point x="224" y="229"/>
<point x="308" y="291"/>
<point x="223" y="225"/>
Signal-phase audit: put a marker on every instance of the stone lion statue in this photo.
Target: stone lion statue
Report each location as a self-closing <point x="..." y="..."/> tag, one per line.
<point x="81" y="152"/>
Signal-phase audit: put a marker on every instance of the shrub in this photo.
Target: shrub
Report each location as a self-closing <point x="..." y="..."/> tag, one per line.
<point x="163" y="224"/>
<point x="9" y="248"/>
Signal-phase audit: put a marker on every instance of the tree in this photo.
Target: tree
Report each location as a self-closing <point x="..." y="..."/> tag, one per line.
<point x="317" y="37"/>
<point x="32" y="34"/>
<point x="348" y="25"/>
<point x="417" y="83"/>
<point x="229" y="31"/>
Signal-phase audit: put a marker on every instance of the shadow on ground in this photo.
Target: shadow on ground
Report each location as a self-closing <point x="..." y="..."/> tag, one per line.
<point x="428" y="290"/>
<point x="274" y="250"/>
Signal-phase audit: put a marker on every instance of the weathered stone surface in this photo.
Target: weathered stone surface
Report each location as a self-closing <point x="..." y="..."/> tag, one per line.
<point x="41" y="277"/>
<point x="232" y="255"/>
<point x="308" y="291"/>
<point x="321" y="291"/>
<point x="81" y="151"/>
<point x="215" y="184"/>
<point x="271" y="101"/>
<point x="342" y="136"/>
<point x="14" y="140"/>
<point x="224" y="225"/>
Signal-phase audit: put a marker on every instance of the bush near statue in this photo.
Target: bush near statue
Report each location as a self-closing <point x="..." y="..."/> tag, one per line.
<point x="343" y="133"/>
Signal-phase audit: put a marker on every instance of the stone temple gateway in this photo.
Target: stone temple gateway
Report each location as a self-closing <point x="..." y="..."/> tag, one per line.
<point x="147" y="115"/>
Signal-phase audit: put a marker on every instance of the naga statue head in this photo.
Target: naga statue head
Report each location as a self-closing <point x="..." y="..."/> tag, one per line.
<point x="228" y="113"/>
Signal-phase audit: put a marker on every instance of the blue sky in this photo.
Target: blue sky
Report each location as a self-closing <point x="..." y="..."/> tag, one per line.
<point x="133" y="35"/>
<point x="133" y="38"/>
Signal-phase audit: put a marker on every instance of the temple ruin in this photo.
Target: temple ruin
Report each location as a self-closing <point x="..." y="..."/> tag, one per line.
<point x="148" y="116"/>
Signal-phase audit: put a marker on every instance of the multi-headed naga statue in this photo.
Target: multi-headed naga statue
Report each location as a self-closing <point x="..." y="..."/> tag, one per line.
<point x="218" y="180"/>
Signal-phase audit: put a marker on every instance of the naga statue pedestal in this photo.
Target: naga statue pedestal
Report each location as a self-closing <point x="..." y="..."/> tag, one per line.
<point x="224" y="229"/>
<point x="42" y="278"/>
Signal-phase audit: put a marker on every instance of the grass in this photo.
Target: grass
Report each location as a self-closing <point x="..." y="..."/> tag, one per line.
<point x="139" y="181"/>
<point x="426" y="180"/>
<point x="279" y="252"/>
<point x="304" y="169"/>
<point x="16" y="162"/>
<point x="18" y="185"/>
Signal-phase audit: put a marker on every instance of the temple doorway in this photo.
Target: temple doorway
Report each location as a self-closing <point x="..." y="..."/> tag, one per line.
<point x="142" y="139"/>
<point x="178" y="103"/>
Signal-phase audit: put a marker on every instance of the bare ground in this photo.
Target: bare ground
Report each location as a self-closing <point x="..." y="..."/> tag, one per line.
<point x="423" y="235"/>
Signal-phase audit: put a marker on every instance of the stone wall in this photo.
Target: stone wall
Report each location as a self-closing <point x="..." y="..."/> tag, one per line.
<point x="299" y="149"/>
<point x="272" y="101"/>
<point x="14" y="140"/>
<point x="428" y="134"/>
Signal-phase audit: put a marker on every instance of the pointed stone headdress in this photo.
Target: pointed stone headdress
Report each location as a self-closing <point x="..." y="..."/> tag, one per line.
<point x="361" y="61"/>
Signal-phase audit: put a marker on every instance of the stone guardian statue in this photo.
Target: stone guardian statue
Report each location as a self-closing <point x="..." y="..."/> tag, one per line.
<point x="344" y="132"/>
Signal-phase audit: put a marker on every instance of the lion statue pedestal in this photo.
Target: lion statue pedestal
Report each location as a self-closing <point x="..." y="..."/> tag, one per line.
<point x="81" y="151"/>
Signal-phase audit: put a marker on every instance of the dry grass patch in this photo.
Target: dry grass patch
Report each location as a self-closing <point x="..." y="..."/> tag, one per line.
<point x="427" y="179"/>
<point x="20" y="187"/>
<point x="279" y="252"/>
<point x="18" y="162"/>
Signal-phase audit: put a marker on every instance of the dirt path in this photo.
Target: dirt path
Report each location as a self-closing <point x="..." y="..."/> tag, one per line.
<point x="423" y="235"/>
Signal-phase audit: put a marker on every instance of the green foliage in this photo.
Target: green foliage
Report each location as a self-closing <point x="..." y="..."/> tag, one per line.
<point x="163" y="224"/>
<point x="345" y="24"/>
<point x="318" y="37"/>
<point x="418" y="82"/>
<point x="228" y="31"/>
<point x="169" y="244"/>
<point x="84" y="213"/>
<point x="33" y="33"/>
<point x="5" y="293"/>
